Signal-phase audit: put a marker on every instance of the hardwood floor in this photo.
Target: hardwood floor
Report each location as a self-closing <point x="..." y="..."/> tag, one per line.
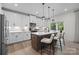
<point x="25" y="48"/>
<point x="18" y="46"/>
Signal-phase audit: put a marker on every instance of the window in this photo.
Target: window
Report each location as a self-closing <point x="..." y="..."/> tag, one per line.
<point x="53" y="26"/>
<point x="60" y="26"/>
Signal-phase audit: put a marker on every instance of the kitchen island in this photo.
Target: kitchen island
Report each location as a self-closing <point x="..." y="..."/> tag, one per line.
<point x="36" y="38"/>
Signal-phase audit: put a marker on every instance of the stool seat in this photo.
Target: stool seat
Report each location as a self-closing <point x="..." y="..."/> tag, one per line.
<point x="46" y="40"/>
<point x="56" y="37"/>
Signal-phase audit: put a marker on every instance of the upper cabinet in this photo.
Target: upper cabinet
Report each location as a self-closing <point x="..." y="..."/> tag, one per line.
<point x="25" y="20"/>
<point x="13" y="18"/>
<point x="16" y="19"/>
<point x="33" y="19"/>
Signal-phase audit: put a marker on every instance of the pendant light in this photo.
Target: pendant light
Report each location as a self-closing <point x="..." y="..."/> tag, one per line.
<point x="43" y="17"/>
<point x="53" y="15"/>
<point x="48" y="12"/>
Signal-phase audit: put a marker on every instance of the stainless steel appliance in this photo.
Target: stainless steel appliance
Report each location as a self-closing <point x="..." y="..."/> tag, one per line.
<point x="3" y="46"/>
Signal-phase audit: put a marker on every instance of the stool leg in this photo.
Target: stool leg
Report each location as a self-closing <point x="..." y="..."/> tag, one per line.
<point x="63" y="41"/>
<point x="50" y="48"/>
<point x="41" y="48"/>
<point x="53" y="48"/>
<point x="60" y="43"/>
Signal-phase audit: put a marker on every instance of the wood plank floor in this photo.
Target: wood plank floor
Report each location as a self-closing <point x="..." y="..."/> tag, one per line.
<point x="24" y="48"/>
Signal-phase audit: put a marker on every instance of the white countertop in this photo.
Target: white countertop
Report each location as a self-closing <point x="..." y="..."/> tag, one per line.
<point x="17" y="31"/>
<point x="44" y="33"/>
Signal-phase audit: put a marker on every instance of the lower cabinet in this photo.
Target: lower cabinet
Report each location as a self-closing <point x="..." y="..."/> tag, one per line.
<point x="18" y="36"/>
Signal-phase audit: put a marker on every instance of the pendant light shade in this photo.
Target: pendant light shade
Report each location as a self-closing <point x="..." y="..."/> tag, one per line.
<point x="48" y="12"/>
<point x="53" y="15"/>
<point x="43" y="17"/>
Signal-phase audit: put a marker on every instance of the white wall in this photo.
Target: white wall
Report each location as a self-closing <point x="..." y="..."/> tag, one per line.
<point x="69" y="25"/>
<point x="76" y="26"/>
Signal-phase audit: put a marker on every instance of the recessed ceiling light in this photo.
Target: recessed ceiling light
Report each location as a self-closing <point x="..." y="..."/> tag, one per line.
<point x="65" y="9"/>
<point x="15" y="4"/>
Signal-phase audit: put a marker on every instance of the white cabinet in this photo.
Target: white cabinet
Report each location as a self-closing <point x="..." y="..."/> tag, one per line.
<point x="16" y="19"/>
<point x="25" y="21"/>
<point x="18" y="36"/>
<point x="27" y="36"/>
<point x="11" y="38"/>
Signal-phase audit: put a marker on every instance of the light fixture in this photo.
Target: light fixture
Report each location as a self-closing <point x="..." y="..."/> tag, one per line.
<point x="53" y="15"/>
<point x="48" y="12"/>
<point x="15" y="4"/>
<point x="43" y="17"/>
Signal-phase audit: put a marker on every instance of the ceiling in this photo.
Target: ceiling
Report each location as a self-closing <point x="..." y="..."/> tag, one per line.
<point x="37" y="8"/>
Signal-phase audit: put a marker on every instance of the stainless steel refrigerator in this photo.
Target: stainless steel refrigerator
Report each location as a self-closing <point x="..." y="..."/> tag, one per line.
<point x="3" y="46"/>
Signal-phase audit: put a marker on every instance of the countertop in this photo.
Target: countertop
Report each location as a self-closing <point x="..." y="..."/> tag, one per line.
<point x="17" y="31"/>
<point x="44" y="33"/>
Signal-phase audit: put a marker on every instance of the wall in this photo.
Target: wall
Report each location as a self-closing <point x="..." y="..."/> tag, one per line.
<point x="69" y="24"/>
<point x="76" y="26"/>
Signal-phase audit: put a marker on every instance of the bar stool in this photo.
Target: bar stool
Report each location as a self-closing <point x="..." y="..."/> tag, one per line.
<point x="60" y="36"/>
<point x="47" y="41"/>
<point x="63" y="37"/>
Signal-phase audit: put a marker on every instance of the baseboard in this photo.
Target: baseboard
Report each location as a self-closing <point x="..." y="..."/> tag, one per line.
<point x="76" y="42"/>
<point x="18" y="42"/>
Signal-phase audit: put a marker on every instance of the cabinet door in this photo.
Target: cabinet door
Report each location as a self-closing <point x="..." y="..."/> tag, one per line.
<point x="8" y="40"/>
<point x="21" y="36"/>
<point x="11" y="38"/>
<point x="25" y="21"/>
<point x="27" y="36"/>
<point x="18" y="37"/>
